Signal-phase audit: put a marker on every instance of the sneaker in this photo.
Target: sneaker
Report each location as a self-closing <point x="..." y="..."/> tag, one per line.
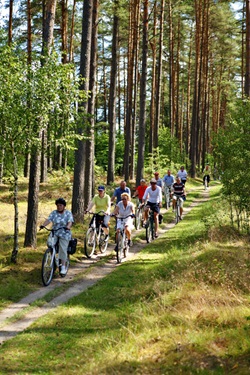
<point x="156" y="235"/>
<point x="106" y="238"/>
<point x="63" y="270"/>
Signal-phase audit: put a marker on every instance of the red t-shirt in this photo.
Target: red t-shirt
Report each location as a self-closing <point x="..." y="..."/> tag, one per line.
<point x="141" y="190"/>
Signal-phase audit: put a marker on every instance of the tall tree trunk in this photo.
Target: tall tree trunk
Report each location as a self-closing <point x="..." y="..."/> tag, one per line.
<point x="64" y="31"/>
<point x="31" y="223"/>
<point x="10" y="22"/>
<point x="78" y="204"/>
<point x="16" y="217"/>
<point x="90" y="142"/>
<point x="143" y="94"/>
<point x="71" y="44"/>
<point x="129" y="101"/>
<point x="113" y="98"/>
<point x="196" y="97"/>
<point x="159" y="77"/>
<point x="153" y="45"/>
<point x="247" y="73"/>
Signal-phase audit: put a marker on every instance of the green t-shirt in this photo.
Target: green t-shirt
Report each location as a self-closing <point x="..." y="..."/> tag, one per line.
<point x="101" y="204"/>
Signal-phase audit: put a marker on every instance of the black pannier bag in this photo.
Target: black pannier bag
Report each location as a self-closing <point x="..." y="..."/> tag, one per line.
<point x="72" y="246"/>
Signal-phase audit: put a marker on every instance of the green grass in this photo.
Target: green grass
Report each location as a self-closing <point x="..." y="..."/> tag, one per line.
<point x="182" y="306"/>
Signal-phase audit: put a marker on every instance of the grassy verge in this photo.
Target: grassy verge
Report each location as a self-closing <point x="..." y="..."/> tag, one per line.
<point x="181" y="307"/>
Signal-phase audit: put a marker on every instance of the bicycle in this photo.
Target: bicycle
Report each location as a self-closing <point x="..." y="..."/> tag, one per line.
<point x="150" y="229"/>
<point x="95" y="237"/>
<point x="167" y="195"/>
<point x="205" y="182"/>
<point x="51" y="259"/>
<point x="138" y="215"/>
<point x="178" y="209"/>
<point x="122" y="247"/>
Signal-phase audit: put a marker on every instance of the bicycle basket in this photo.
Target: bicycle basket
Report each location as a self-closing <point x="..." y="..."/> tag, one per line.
<point x="50" y="240"/>
<point x="72" y="246"/>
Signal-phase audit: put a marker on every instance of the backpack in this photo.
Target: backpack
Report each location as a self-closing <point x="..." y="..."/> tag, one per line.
<point x="72" y="246"/>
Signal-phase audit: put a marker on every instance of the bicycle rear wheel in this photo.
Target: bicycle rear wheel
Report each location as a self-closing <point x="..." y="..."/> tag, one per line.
<point x="119" y="242"/>
<point x="138" y="218"/>
<point x="102" y="243"/>
<point x="48" y="267"/>
<point x="89" y="243"/>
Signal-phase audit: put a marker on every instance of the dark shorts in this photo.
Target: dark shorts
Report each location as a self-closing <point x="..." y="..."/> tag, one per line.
<point x="154" y="207"/>
<point x="183" y="181"/>
<point x="208" y="178"/>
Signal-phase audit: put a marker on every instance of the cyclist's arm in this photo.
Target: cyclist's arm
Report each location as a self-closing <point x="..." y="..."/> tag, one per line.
<point x="69" y="225"/>
<point x="47" y="221"/>
<point x="91" y="204"/>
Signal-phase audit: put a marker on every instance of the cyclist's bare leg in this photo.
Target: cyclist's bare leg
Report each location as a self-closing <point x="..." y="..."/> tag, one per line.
<point x="146" y="210"/>
<point x="156" y="222"/>
<point x="181" y="210"/>
<point x="128" y="232"/>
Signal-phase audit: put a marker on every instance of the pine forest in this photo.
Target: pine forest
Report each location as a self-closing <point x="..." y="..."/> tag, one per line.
<point x="124" y="88"/>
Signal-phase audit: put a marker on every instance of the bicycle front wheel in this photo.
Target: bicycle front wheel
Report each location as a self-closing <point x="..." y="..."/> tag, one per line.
<point x="138" y="219"/>
<point x="89" y="243"/>
<point x="148" y="233"/>
<point x="119" y="242"/>
<point x="102" y="243"/>
<point x="48" y="267"/>
<point x="177" y="213"/>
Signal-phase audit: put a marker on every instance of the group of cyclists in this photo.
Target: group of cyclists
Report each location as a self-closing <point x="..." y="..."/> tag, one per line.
<point x="149" y="197"/>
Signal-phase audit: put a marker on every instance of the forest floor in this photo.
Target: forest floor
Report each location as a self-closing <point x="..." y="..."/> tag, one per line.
<point x="19" y="316"/>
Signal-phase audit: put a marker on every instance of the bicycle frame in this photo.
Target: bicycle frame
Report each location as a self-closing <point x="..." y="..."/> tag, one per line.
<point x="205" y="182"/>
<point x="51" y="259"/>
<point x="122" y="240"/>
<point x="95" y="237"/>
<point x="167" y="195"/>
<point x="150" y="226"/>
<point x="177" y="209"/>
<point x="138" y="215"/>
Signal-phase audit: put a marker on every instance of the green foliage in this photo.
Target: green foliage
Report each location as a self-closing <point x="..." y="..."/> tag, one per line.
<point x="233" y="157"/>
<point x="102" y="148"/>
<point x="36" y="98"/>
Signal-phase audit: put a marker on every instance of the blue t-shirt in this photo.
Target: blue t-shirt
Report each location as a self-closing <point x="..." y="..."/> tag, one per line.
<point x="168" y="180"/>
<point x="119" y="191"/>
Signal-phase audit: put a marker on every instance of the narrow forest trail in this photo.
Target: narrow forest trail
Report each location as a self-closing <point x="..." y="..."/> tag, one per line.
<point x="91" y="276"/>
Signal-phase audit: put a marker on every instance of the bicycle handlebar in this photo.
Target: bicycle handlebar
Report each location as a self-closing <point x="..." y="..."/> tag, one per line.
<point x="119" y="217"/>
<point x="96" y="213"/>
<point x="52" y="230"/>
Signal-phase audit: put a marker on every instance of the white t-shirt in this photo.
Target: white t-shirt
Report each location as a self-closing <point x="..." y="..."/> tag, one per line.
<point x="153" y="196"/>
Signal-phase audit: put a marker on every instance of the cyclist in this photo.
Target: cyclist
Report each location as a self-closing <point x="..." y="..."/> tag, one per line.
<point x="153" y="197"/>
<point x="159" y="181"/>
<point x="182" y="173"/>
<point x="119" y="191"/>
<point x="206" y="172"/>
<point x="61" y="218"/>
<point x="125" y="208"/>
<point x="102" y="202"/>
<point x="168" y="179"/>
<point x="140" y="190"/>
<point x="178" y="189"/>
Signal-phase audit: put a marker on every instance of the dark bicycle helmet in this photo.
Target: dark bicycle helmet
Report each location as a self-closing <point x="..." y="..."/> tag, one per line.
<point x="61" y="201"/>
